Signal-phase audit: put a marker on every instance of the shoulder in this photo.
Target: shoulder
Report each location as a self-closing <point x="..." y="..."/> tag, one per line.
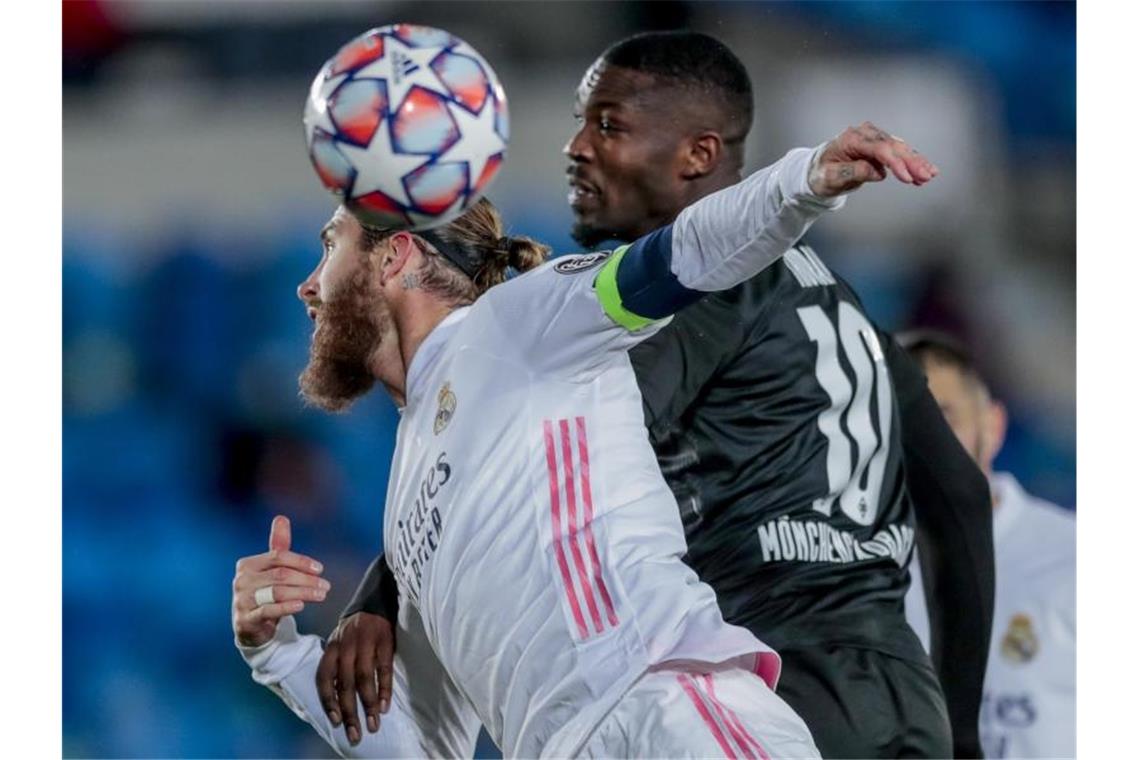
<point x="538" y="288"/>
<point x="1036" y="517"/>
<point x="1042" y="536"/>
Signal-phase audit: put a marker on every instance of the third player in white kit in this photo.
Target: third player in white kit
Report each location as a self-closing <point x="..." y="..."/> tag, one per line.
<point x="1030" y="700"/>
<point x="536" y="545"/>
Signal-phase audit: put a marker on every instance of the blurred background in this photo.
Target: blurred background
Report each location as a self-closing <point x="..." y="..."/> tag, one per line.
<point x="191" y="214"/>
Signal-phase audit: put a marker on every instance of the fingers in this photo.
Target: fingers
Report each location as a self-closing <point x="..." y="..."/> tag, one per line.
<point x="279" y="576"/>
<point x="273" y="558"/>
<point x="270" y="612"/>
<point x="904" y="162"/>
<point x="346" y="693"/>
<point x="280" y="534"/>
<point x="366" y="686"/>
<point x="384" y="651"/>
<point x="867" y="153"/>
<point x="284" y="579"/>
<point x="326" y="679"/>
<point x="247" y="600"/>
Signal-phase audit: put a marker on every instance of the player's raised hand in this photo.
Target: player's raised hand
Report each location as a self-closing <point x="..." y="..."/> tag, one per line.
<point x="274" y="584"/>
<point x="867" y="154"/>
<point x="357" y="660"/>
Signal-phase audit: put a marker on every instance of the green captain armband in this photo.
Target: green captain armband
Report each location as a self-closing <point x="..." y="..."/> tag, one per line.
<point x="606" y="286"/>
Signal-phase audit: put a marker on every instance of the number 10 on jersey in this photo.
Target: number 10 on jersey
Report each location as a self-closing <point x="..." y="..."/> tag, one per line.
<point x="857" y="449"/>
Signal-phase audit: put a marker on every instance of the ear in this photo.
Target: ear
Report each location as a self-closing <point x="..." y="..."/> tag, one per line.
<point x="996" y="421"/>
<point x="702" y="155"/>
<point x="399" y="255"/>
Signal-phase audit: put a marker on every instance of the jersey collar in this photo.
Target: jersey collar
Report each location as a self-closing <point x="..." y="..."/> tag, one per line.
<point x="1011" y="502"/>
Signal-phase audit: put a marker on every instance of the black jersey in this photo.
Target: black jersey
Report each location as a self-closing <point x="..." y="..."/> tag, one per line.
<point x="772" y="413"/>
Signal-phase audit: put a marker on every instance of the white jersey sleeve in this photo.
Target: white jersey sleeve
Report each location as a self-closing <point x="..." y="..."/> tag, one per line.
<point x="428" y="715"/>
<point x="732" y="235"/>
<point x="571" y="316"/>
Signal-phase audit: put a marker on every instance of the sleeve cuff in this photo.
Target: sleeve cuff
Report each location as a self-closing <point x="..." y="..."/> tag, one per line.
<point x="277" y="658"/>
<point x="793" y="179"/>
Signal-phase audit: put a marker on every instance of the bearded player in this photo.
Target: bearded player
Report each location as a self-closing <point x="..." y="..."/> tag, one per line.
<point x="536" y="546"/>
<point x="770" y="410"/>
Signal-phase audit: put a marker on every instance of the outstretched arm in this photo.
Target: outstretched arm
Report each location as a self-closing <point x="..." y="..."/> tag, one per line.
<point x="716" y="243"/>
<point x="732" y="235"/>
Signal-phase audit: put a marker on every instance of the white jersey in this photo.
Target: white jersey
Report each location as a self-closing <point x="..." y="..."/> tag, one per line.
<point x="536" y="546"/>
<point x="1029" y="704"/>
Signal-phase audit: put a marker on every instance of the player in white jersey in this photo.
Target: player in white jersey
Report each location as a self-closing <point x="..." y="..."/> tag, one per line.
<point x="1029" y="705"/>
<point x="536" y="545"/>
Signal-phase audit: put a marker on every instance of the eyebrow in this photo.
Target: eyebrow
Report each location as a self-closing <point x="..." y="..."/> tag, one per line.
<point x="328" y="228"/>
<point x="616" y="105"/>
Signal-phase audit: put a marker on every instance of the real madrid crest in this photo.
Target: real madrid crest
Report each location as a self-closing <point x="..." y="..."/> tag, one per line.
<point x="1019" y="644"/>
<point x="446" y="408"/>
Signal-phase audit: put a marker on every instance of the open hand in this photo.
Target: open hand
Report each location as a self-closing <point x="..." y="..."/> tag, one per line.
<point x="357" y="660"/>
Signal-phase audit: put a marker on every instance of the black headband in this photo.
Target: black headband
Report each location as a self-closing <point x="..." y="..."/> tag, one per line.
<point x="468" y="263"/>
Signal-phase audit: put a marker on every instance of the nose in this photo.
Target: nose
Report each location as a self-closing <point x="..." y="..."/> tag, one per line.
<point x="309" y="290"/>
<point x="578" y="148"/>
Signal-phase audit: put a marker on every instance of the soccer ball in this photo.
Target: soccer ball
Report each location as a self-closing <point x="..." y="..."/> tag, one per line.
<point x="407" y="125"/>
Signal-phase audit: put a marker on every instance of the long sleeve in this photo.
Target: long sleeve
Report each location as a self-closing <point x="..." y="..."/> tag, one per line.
<point x="732" y="235"/>
<point x="600" y="305"/>
<point x="377" y="593"/>
<point x="428" y="716"/>
<point x="720" y="241"/>
<point x="955" y="539"/>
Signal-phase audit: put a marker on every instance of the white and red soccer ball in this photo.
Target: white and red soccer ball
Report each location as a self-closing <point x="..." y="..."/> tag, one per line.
<point x="407" y="125"/>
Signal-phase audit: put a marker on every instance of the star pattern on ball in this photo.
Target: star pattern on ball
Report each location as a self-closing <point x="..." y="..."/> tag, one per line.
<point x="475" y="153"/>
<point x="387" y="175"/>
<point x="319" y="116"/>
<point x="404" y="67"/>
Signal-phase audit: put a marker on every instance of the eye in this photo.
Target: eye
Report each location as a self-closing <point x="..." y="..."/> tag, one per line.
<point x="605" y="126"/>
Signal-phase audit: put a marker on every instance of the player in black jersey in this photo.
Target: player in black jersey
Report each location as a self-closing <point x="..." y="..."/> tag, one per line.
<point x="781" y="431"/>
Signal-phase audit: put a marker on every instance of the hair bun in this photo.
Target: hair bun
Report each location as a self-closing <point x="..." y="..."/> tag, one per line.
<point x="524" y="254"/>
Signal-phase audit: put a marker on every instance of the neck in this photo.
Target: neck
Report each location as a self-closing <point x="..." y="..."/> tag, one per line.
<point x="387" y="365"/>
<point x="720" y="179"/>
<point x="414" y="322"/>
<point x="694" y="191"/>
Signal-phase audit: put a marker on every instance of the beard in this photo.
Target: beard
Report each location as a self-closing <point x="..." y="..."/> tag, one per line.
<point x="349" y="330"/>
<point x="589" y="236"/>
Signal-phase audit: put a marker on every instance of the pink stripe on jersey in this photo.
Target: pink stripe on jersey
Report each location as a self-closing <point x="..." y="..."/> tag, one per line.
<point x="732" y="720"/>
<point x="690" y="688"/>
<point x="556" y="528"/>
<point x="588" y="506"/>
<point x="572" y="526"/>
<point x="767" y="666"/>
